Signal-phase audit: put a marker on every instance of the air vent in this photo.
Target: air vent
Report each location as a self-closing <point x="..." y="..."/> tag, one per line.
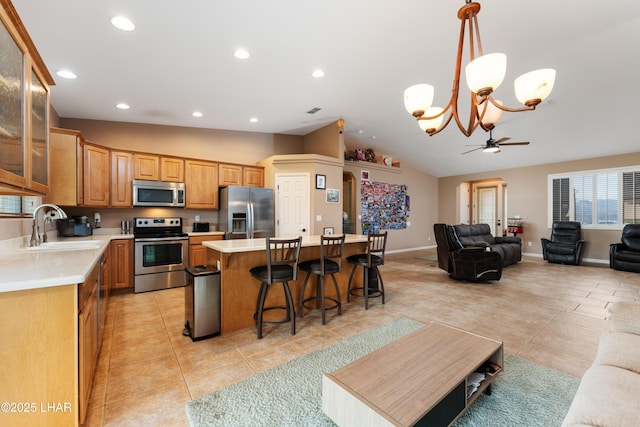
<point x="314" y="110"/>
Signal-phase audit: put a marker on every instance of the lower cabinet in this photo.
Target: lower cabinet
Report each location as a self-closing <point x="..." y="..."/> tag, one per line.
<point x="198" y="252"/>
<point x="122" y="263"/>
<point x="88" y="339"/>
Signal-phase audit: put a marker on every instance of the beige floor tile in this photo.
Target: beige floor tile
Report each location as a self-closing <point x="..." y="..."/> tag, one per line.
<point x="546" y="313"/>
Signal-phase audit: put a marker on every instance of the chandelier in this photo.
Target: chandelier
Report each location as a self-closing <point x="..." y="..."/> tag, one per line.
<point x="484" y="73"/>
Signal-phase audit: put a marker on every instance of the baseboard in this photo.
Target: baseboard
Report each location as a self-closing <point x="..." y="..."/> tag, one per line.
<point x="421" y="248"/>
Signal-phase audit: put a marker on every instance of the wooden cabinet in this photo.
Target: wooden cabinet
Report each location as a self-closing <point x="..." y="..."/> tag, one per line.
<point x="146" y="166"/>
<point x="24" y="110"/>
<point x="88" y="339"/>
<point x="253" y="176"/>
<point x="201" y="180"/>
<point x="96" y="175"/>
<point x="121" y="178"/>
<point x="105" y="290"/>
<point x="250" y="176"/>
<point x="122" y="263"/>
<point x="171" y="169"/>
<point x="66" y="157"/>
<point x="229" y="174"/>
<point x="198" y="252"/>
<point x="156" y="168"/>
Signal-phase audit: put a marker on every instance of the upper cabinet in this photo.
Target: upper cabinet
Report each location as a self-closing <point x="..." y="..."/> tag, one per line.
<point x="250" y="176"/>
<point x="146" y="166"/>
<point x="81" y="169"/>
<point x="201" y="181"/>
<point x="171" y="169"/>
<point x="121" y="177"/>
<point x="66" y="187"/>
<point x="253" y="176"/>
<point x="229" y="174"/>
<point x="24" y="109"/>
<point x="158" y="168"/>
<point x="96" y="175"/>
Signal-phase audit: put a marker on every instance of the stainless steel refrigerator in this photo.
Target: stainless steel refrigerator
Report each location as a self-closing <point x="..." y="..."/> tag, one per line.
<point x="246" y="212"/>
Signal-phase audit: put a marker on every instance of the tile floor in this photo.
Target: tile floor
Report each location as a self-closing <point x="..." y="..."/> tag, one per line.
<point x="546" y="313"/>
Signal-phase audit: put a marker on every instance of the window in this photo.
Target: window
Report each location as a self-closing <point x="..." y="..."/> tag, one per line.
<point x="18" y="205"/>
<point x="605" y="199"/>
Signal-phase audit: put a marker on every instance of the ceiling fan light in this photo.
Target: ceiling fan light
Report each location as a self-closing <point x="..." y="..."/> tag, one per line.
<point x="492" y="114"/>
<point x="533" y="87"/>
<point x="486" y="73"/>
<point x="431" y="125"/>
<point x="418" y="99"/>
<point x="491" y="149"/>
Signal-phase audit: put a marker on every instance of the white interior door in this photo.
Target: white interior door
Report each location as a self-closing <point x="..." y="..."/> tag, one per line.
<point x="292" y="204"/>
<point x="487" y="207"/>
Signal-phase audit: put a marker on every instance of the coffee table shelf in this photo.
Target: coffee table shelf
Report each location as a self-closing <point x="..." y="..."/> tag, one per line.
<point x="420" y="379"/>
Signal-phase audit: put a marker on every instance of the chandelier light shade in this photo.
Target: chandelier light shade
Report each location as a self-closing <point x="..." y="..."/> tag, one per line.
<point x="484" y="74"/>
<point x="433" y="124"/>
<point x="418" y="99"/>
<point x="492" y="115"/>
<point x="533" y="87"/>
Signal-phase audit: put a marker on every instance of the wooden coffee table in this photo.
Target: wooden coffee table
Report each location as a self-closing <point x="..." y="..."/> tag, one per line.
<point x="420" y="379"/>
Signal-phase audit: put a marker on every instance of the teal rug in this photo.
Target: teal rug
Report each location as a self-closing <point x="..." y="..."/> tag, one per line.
<point x="524" y="394"/>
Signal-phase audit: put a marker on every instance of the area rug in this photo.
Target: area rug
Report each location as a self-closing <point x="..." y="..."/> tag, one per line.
<point x="291" y="394"/>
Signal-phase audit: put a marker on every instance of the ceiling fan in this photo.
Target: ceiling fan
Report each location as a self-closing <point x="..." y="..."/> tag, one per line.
<point x="493" y="146"/>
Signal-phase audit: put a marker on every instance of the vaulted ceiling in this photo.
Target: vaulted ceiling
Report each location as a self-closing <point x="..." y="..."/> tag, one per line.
<point x="180" y="59"/>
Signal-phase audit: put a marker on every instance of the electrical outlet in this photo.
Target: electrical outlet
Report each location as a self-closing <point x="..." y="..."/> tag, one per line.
<point x="428" y="237"/>
<point x="529" y="244"/>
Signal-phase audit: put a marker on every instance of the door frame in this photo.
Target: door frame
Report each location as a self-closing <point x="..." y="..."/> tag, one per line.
<point x="277" y="177"/>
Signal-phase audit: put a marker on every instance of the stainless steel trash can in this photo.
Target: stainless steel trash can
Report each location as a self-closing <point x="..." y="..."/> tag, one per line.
<point x="202" y="302"/>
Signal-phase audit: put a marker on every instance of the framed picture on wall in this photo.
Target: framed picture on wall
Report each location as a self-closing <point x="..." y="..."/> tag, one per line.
<point x="321" y="181"/>
<point x="327" y="231"/>
<point x="333" y="196"/>
<point x="364" y="175"/>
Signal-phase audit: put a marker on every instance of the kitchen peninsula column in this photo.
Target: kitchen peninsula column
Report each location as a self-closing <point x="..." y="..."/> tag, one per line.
<point x="239" y="290"/>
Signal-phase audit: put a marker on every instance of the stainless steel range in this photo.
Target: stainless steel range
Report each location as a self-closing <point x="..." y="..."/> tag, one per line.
<point x="160" y="253"/>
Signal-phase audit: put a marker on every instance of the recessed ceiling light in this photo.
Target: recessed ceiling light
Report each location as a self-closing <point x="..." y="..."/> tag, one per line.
<point x="196" y="114"/>
<point x="253" y="120"/>
<point x="122" y="106"/>
<point x="66" y="74"/>
<point x="122" y="23"/>
<point x="241" y="54"/>
<point x="317" y="74"/>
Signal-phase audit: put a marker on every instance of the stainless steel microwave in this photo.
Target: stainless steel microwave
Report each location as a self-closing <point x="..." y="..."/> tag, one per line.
<point x="158" y="193"/>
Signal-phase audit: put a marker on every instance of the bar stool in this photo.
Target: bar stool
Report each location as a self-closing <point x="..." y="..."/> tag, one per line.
<point x="374" y="257"/>
<point x="282" y="266"/>
<point x="329" y="263"/>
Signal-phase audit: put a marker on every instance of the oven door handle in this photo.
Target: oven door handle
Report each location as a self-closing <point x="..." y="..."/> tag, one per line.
<point x="160" y="239"/>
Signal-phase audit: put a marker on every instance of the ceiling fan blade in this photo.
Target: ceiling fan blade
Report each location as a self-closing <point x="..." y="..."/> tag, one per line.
<point x="501" y="140"/>
<point x="475" y="149"/>
<point x="514" y="143"/>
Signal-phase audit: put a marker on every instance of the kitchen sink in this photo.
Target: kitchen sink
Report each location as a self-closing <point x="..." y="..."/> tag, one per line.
<point x="76" y="245"/>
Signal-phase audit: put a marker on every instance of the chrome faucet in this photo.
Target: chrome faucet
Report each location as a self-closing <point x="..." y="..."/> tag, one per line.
<point x="35" y="230"/>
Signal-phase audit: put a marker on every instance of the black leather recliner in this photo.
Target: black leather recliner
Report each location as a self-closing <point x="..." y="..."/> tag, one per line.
<point x="474" y="264"/>
<point x="565" y="245"/>
<point x="509" y="247"/>
<point x="625" y="256"/>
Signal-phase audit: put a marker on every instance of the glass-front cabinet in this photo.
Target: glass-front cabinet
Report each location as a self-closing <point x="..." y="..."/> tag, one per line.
<point x="24" y="109"/>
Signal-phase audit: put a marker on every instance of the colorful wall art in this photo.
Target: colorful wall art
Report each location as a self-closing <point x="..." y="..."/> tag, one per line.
<point x="384" y="206"/>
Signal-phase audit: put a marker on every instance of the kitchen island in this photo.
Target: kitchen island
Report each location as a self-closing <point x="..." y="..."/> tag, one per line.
<point x="239" y="290"/>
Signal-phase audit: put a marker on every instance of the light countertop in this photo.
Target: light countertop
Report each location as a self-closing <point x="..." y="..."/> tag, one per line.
<point x="248" y="245"/>
<point x="31" y="269"/>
